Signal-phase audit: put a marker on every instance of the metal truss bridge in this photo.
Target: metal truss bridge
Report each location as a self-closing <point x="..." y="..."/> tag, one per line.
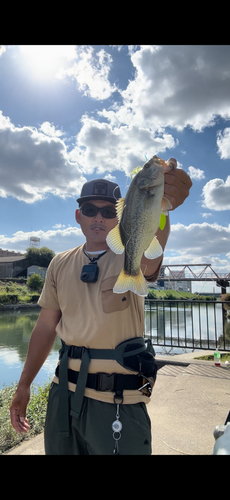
<point x="193" y="272"/>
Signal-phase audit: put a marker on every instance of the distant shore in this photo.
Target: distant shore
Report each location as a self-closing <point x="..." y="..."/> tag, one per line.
<point x="6" y="307"/>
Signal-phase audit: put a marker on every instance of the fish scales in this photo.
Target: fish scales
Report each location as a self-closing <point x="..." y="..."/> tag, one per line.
<point x="138" y="220"/>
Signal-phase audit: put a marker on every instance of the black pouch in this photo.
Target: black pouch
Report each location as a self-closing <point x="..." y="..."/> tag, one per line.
<point x="137" y="355"/>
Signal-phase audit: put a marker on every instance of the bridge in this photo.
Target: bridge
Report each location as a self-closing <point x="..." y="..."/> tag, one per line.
<point x="194" y="272"/>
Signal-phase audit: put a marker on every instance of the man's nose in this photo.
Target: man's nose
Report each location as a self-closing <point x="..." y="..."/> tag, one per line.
<point x="99" y="217"/>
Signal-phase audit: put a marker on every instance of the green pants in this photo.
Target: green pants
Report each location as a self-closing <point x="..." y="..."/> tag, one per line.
<point x="92" y="434"/>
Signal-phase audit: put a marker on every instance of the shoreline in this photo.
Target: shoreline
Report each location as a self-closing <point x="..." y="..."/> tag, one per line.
<point x="6" y="307"/>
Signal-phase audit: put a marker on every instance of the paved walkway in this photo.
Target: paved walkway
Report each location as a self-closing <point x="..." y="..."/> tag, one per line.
<point x="190" y="398"/>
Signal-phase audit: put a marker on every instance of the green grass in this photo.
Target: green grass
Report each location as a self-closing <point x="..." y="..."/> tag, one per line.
<point x="209" y="357"/>
<point x="172" y="294"/>
<point x="17" y="293"/>
<point x="36" y="414"/>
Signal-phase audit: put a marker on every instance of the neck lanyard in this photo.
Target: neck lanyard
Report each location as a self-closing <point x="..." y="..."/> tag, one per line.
<point x="93" y="259"/>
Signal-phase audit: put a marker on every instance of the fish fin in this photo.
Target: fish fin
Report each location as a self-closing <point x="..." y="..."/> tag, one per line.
<point x="135" y="284"/>
<point x="113" y="240"/>
<point x="154" y="250"/>
<point x="165" y="205"/>
<point x="119" y="207"/>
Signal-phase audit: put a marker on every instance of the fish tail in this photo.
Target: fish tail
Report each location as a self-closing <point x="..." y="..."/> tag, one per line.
<point x="135" y="284"/>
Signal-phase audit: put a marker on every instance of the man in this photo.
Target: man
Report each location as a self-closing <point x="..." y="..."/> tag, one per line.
<point x="96" y="404"/>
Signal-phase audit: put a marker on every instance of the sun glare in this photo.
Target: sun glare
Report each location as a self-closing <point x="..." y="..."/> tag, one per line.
<point x="43" y="61"/>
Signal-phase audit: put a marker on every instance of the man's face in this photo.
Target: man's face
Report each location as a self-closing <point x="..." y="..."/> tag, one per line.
<point x="96" y="228"/>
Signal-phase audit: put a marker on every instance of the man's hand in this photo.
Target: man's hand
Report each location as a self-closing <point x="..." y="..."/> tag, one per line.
<point x="18" y="410"/>
<point x="177" y="185"/>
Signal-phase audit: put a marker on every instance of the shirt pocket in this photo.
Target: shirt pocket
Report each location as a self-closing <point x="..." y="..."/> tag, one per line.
<point x="112" y="302"/>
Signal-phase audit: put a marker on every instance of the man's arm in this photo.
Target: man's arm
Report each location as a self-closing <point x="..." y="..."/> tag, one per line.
<point x="42" y="339"/>
<point x="176" y="190"/>
<point x="150" y="266"/>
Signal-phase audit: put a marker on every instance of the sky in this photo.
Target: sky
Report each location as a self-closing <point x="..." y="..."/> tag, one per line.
<point x="69" y="114"/>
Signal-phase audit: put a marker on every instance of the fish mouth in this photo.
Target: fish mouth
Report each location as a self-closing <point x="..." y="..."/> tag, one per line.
<point x="166" y="165"/>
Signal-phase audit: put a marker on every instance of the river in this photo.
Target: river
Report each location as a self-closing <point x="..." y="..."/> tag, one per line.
<point x="16" y="327"/>
<point x="15" y="332"/>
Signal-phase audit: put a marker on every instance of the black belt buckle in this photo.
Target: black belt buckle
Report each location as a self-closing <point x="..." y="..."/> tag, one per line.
<point x="105" y="382"/>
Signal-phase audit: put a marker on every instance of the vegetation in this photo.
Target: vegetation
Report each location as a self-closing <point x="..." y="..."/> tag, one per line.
<point x="173" y="295"/>
<point x="36" y="414"/>
<point x="19" y="293"/>
<point x="39" y="256"/>
<point x="209" y="357"/>
<point x="226" y="297"/>
<point x="35" y="282"/>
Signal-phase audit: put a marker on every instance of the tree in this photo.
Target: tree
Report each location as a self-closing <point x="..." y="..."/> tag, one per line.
<point x="39" y="256"/>
<point x="35" y="282"/>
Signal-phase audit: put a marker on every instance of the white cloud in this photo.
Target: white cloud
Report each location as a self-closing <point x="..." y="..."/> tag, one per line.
<point x="196" y="173"/>
<point x="176" y="86"/>
<point x="105" y="147"/>
<point x="223" y="143"/>
<point x="199" y="241"/>
<point x="216" y="194"/>
<point x="2" y="49"/>
<point x="91" y="71"/>
<point x="50" y="130"/>
<point x="57" y="239"/>
<point x="205" y="215"/>
<point x="33" y="164"/>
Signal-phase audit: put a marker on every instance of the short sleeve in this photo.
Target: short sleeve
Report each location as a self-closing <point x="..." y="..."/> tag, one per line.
<point x="49" y="298"/>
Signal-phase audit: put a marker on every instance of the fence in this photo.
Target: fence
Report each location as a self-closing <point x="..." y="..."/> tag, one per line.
<point x="188" y="324"/>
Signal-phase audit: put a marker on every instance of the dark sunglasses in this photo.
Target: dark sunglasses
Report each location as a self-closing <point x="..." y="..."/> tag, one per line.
<point x="90" y="210"/>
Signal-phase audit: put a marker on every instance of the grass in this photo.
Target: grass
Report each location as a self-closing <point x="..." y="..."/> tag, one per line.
<point x="16" y="293"/>
<point x="209" y="357"/>
<point x="36" y="414"/>
<point x="172" y="294"/>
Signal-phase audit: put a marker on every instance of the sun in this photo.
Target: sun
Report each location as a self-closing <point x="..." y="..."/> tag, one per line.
<point x="42" y="62"/>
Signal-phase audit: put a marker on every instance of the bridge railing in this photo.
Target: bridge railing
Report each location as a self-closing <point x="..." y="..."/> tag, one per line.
<point x="188" y="324"/>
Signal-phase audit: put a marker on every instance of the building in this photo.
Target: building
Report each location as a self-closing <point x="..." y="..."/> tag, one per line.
<point x="36" y="270"/>
<point x="12" y="267"/>
<point x="178" y="286"/>
<point x="9" y="253"/>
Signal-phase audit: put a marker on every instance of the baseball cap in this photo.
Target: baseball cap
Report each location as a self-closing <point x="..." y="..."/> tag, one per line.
<point x="99" y="189"/>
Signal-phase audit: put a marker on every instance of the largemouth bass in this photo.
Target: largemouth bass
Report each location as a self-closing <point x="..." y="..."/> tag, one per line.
<point x="138" y="220"/>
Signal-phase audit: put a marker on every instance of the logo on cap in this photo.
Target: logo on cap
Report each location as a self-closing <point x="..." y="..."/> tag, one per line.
<point x="100" y="188"/>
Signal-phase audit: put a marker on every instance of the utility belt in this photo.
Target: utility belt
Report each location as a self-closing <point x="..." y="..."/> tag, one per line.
<point x="134" y="354"/>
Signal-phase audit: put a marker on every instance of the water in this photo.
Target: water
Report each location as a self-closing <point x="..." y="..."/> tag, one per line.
<point x="186" y="326"/>
<point x="186" y="323"/>
<point x="15" y="332"/>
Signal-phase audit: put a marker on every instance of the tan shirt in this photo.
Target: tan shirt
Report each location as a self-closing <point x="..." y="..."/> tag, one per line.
<point x="92" y="315"/>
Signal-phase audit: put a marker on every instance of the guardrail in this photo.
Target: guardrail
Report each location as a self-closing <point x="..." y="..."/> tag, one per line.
<point x="188" y="324"/>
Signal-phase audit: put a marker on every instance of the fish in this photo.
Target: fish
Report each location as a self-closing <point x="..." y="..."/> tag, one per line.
<point x="138" y="220"/>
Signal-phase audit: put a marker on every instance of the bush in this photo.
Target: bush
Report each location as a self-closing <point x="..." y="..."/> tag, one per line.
<point x="9" y="298"/>
<point x="36" y="414"/>
<point x="35" y="282"/>
<point x="34" y="297"/>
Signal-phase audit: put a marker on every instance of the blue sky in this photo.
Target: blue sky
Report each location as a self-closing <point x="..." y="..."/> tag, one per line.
<point x="73" y="113"/>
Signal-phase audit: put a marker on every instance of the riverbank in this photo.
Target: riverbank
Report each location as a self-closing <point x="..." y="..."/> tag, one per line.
<point x="36" y="414"/>
<point x="17" y="293"/>
<point x="15" y="307"/>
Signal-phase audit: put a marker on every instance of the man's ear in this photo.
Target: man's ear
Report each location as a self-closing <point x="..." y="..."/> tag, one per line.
<point x="78" y="216"/>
